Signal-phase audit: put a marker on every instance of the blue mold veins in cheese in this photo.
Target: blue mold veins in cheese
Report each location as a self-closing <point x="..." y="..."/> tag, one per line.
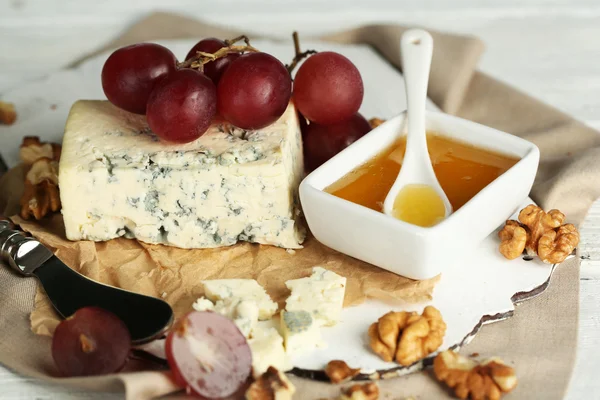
<point x="118" y="180"/>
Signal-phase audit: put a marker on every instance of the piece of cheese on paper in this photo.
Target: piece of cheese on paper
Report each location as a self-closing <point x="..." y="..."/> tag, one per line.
<point x="321" y="295"/>
<point x="117" y="179"/>
<point x="246" y="289"/>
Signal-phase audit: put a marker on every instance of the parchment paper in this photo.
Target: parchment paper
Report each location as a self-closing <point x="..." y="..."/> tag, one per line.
<point x="174" y="274"/>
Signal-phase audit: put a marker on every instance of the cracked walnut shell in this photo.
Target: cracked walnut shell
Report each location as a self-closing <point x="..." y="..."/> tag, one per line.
<point x="513" y="239"/>
<point x="407" y="337"/>
<point x="366" y="391"/>
<point x="271" y="385"/>
<point x="471" y="380"/>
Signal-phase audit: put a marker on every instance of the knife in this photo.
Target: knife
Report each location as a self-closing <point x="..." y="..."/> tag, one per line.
<point x="147" y="318"/>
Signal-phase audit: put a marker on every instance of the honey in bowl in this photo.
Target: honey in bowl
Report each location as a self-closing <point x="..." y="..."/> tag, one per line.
<point x="419" y="205"/>
<point x="462" y="170"/>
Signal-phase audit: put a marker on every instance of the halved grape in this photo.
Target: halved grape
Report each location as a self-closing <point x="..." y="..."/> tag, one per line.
<point x="328" y="88"/>
<point x="181" y="107"/>
<point x="213" y="69"/>
<point x="321" y="142"/>
<point x="130" y="74"/>
<point x="208" y="354"/>
<point x="92" y="341"/>
<point x="254" y="91"/>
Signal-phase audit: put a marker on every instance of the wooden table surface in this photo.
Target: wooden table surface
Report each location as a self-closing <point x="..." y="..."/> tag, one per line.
<point x="548" y="48"/>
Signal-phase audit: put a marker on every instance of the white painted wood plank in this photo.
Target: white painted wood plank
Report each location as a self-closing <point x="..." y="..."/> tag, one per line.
<point x="584" y="381"/>
<point x="564" y="73"/>
<point x="589" y="246"/>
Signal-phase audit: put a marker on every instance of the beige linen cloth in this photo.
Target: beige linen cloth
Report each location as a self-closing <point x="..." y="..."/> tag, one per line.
<point x="539" y="340"/>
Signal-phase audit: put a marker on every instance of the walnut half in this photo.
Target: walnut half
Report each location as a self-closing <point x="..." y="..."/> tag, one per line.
<point x="539" y="233"/>
<point x="555" y="246"/>
<point x="40" y="194"/>
<point x="538" y="222"/>
<point x="471" y="380"/>
<point x="271" y="385"/>
<point x="8" y="115"/>
<point x="366" y="391"/>
<point x="338" y="371"/>
<point x="32" y="149"/>
<point x="407" y="337"/>
<point x="513" y="239"/>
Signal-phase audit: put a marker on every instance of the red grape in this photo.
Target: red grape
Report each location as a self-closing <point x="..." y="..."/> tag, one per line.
<point x="130" y="74"/>
<point x="328" y="88"/>
<point x="213" y="69"/>
<point x="181" y="107"/>
<point x="91" y="342"/>
<point x="321" y="142"/>
<point x="208" y="354"/>
<point x="254" y="91"/>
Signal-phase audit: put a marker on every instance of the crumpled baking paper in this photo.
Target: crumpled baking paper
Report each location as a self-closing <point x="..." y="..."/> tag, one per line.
<point x="174" y="274"/>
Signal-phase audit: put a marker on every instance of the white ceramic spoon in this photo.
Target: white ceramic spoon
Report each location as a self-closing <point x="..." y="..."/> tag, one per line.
<point x="417" y="48"/>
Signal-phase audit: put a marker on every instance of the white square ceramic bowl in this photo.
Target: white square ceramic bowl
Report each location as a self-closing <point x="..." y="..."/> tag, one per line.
<point x="405" y="249"/>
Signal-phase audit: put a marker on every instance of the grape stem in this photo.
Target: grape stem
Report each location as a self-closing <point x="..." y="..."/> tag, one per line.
<point x="299" y="55"/>
<point x="202" y="58"/>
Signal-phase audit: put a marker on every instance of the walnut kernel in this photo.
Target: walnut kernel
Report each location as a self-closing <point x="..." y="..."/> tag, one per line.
<point x="8" y="114"/>
<point x="538" y="222"/>
<point x="555" y="246"/>
<point x="472" y="380"/>
<point x="513" y="239"/>
<point x="540" y="233"/>
<point x="40" y="194"/>
<point x="271" y="385"/>
<point x="366" y="391"/>
<point x="407" y="337"/>
<point x="338" y="371"/>
<point x="33" y="149"/>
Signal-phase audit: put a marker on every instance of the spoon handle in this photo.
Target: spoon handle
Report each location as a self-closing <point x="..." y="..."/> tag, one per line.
<point x="417" y="49"/>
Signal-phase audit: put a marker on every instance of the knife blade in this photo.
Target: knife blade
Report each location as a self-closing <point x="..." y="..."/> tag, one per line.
<point x="147" y="318"/>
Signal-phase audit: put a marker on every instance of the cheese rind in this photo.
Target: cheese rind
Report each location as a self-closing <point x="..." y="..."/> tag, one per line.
<point x="118" y="180"/>
<point x="321" y="294"/>
<point x="300" y="332"/>
<point x="245" y="289"/>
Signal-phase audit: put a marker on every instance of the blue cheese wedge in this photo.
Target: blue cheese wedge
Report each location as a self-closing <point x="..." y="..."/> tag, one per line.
<point x="267" y="349"/>
<point x="117" y="179"/>
<point x="245" y="289"/>
<point x="244" y="313"/>
<point x="300" y="332"/>
<point x="321" y="295"/>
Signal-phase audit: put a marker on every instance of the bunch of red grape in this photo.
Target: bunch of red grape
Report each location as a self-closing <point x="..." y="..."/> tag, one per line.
<point x="328" y="91"/>
<point x="250" y="90"/>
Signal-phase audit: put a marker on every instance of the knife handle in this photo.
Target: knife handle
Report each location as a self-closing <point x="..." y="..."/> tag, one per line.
<point x="24" y="254"/>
